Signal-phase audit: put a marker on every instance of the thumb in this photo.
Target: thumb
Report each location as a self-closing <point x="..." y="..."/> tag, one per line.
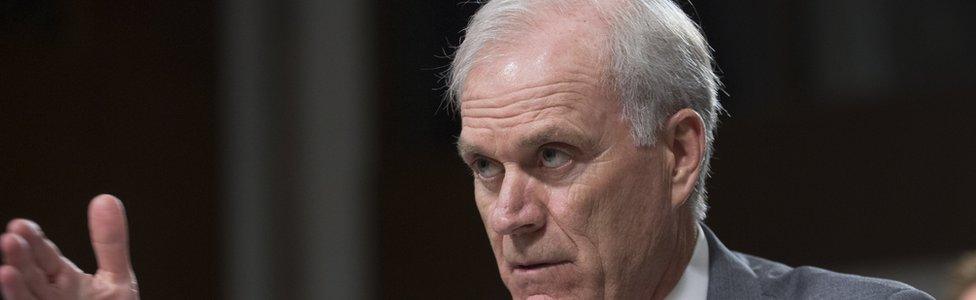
<point x="110" y="237"/>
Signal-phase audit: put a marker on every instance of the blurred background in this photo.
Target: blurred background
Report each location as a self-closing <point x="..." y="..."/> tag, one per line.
<point x="299" y="150"/>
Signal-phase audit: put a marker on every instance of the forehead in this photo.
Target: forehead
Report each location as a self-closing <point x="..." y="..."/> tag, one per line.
<point x="550" y="77"/>
<point x="542" y="52"/>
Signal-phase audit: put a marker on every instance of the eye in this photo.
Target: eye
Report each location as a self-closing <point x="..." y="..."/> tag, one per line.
<point x="485" y="168"/>
<point x="553" y="158"/>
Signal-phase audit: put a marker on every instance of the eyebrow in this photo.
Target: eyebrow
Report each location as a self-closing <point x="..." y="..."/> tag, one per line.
<point x="538" y="138"/>
<point x="464" y="148"/>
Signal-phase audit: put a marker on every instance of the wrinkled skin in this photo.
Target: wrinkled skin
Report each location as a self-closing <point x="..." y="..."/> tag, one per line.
<point x="572" y="207"/>
<point x="34" y="268"/>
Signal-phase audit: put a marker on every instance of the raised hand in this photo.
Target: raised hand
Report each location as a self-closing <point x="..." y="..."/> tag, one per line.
<point x="33" y="267"/>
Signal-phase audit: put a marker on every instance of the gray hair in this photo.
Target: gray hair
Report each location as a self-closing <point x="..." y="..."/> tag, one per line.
<point x="660" y="63"/>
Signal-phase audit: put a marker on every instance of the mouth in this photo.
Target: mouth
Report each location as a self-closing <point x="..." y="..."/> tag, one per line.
<point x="538" y="266"/>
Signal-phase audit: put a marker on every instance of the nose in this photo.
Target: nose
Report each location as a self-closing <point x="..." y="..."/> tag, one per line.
<point x="518" y="209"/>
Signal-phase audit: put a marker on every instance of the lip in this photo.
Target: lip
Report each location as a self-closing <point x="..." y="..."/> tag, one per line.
<point x="537" y="267"/>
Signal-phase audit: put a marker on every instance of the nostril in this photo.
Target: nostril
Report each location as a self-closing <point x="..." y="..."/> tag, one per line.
<point x="529" y="218"/>
<point x="504" y="225"/>
<point x="526" y="228"/>
<point x="513" y="225"/>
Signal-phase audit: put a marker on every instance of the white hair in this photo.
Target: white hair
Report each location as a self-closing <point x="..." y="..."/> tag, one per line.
<point x="660" y="63"/>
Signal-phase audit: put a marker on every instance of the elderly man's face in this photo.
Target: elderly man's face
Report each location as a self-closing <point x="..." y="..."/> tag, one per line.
<point x="572" y="207"/>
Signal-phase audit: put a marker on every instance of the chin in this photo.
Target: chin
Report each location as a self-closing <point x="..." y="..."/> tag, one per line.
<point x="565" y="294"/>
<point x="562" y="281"/>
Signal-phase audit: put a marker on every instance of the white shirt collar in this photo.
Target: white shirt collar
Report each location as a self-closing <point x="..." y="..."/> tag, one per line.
<point x="694" y="282"/>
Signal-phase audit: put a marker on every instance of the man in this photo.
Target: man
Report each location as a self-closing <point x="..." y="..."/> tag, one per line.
<point x="588" y="128"/>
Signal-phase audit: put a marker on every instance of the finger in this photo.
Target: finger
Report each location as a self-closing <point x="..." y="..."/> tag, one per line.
<point x="45" y="254"/>
<point x="110" y="237"/>
<point x="69" y="265"/>
<point x="70" y="276"/>
<point x="12" y="284"/>
<point x="17" y="254"/>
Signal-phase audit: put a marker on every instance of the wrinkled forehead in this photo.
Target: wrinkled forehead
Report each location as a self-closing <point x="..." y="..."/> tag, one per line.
<point x="549" y="51"/>
<point x="550" y="79"/>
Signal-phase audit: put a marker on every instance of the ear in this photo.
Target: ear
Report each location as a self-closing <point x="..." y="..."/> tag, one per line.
<point x="684" y="141"/>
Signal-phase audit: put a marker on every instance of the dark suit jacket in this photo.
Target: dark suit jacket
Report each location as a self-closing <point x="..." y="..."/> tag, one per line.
<point x="733" y="275"/>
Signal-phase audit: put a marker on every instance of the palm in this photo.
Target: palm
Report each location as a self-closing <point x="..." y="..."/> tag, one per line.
<point x="100" y="287"/>
<point x="34" y="268"/>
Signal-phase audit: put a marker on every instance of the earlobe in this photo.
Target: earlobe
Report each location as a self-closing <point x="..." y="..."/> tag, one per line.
<point x="686" y="142"/>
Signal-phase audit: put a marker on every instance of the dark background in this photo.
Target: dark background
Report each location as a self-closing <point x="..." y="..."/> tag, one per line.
<point x="847" y="141"/>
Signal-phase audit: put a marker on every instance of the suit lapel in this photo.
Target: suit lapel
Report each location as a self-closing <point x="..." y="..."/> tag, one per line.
<point x="729" y="275"/>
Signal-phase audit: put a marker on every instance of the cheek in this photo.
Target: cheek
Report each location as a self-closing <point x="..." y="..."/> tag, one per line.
<point x="484" y="199"/>
<point x="614" y="204"/>
<point x="567" y="208"/>
<point x="590" y="203"/>
<point x="572" y="209"/>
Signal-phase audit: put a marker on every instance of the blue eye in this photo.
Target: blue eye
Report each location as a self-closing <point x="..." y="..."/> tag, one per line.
<point x="553" y="158"/>
<point x="486" y="168"/>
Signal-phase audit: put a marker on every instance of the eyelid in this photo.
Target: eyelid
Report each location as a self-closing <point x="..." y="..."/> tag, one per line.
<point x="471" y="158"/>
<point x="475" y="157"/>
<point x="562" y="149"/>
<point x="569" y="150"/>
<point x="474" y="167"/>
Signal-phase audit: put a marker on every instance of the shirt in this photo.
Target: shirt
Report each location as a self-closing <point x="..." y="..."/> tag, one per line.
<point x="693" y="284"/>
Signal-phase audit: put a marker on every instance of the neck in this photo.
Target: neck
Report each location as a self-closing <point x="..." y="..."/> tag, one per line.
<point x="685" y="237"/>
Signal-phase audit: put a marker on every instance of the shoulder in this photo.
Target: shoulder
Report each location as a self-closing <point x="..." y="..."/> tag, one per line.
<point x="733" y="275"/>
<point x="784" y="282"/>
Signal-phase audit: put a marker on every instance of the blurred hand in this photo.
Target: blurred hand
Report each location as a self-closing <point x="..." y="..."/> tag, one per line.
<point x="33" y="267"/>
